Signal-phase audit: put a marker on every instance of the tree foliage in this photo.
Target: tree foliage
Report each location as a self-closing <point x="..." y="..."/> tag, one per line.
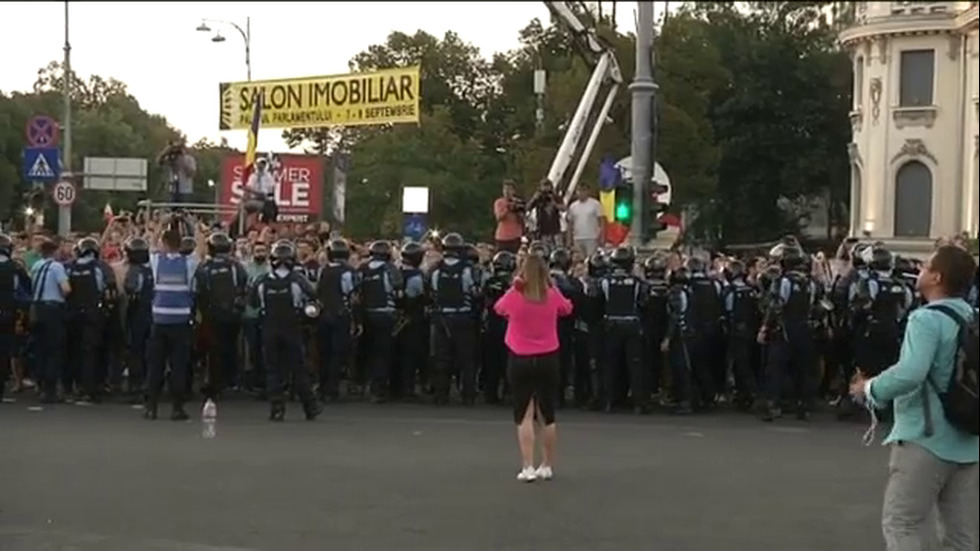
<point x="752" y="103"/>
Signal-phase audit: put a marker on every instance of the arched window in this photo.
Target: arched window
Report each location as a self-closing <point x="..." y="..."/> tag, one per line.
<point x="913" y="200"/>
<point x="859" y="82"/>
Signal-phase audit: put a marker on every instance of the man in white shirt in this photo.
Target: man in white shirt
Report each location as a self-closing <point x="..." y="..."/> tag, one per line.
<point x="585" y="221"/>
<point x="261" y="186"/>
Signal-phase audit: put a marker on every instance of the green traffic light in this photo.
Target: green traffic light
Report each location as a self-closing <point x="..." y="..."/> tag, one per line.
<point x="622" y="212"/>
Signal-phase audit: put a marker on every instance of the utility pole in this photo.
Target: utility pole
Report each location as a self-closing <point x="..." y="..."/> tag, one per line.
<point x="64" y="212"/>
<point x="643" y="89"/>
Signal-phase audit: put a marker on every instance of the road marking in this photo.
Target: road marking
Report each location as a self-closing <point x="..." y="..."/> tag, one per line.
<point x="35" y="408"/>
<point x="694" y="434"/>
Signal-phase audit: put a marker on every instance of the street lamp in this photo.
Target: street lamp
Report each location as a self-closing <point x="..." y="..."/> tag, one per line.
<point x="246" y="36"/>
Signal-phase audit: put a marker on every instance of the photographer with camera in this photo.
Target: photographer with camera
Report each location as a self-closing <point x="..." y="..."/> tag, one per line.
<point x="181" y="167"/>
<point x="547" y="208"/>
<point x="509" y="213"/>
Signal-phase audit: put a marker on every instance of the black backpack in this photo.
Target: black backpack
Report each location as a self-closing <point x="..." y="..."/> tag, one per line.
<point x="960" y="402"/>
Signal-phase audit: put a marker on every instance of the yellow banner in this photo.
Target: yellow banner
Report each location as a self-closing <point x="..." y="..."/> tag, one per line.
<point x="380" y="97"/>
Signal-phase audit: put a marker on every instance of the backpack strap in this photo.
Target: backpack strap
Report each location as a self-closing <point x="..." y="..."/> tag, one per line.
<point x="961" y="323"/>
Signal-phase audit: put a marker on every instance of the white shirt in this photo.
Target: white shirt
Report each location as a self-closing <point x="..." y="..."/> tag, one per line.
<point x="585" y="218"/>
<point x="262" y="182"/>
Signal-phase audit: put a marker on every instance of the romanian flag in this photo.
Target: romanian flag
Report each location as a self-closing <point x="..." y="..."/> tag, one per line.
<point x="609" y="178"/>
<point x="253" y="138"/>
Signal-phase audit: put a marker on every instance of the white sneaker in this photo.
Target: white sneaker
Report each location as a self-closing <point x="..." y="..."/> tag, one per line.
<point x="544" y="472"/>
<point x="527" y="474"/>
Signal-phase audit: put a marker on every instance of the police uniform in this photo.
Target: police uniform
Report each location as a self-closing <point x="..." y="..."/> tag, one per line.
<point x="560" y="262"/>
<point x="138" y="286"/>
<point x="381" y="286"/>
<point x="453" y="289"/>
<point x="655" y="317"/>
<point x="412" y="332"/>
<point x="86" y="322"/>
<point x="281" y="295"/>
<point x="497" y="283"/>
<point x="15" y="288"/>
<point x="680" y="341"/>
<point x="222" y="284"/>
<point x="598" y="268"/>
<point x="790" y="342"/>
<point x="336" y="285"/>
<point x="623" y="298"/>
<point x="742" y="316"/>
<point x="880" y="303"/>
<point x="706" y="296"/>
<point x="172" y="332"/>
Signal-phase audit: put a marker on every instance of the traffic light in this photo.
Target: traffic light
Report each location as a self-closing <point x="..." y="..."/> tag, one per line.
<point x="655" y="209"/>
<point x="623" y="204"/>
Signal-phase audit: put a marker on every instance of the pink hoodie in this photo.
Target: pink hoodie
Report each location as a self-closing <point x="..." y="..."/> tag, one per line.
<point x="532" y="327"/>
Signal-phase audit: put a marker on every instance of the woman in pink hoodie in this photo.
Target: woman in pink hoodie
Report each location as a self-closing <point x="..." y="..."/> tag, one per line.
<point x="532" y="307"/>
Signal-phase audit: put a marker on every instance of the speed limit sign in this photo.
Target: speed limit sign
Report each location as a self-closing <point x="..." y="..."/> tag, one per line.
<point x="64" y="193"/>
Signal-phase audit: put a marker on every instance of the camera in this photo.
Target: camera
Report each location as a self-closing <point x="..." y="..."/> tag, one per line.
<point x="517" y="205"/>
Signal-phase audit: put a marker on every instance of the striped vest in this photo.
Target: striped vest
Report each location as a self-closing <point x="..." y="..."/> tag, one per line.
<point x="172" y="298"/>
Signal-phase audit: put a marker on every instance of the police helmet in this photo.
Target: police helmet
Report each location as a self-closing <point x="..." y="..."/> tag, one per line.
<point x="338" y="249"/>
<point x="655" y="266"/>
<point x="6" y="245"/>
<point x="560" y="259"/>
<point x="904" y="266"/>
<point x="858" y="257"/>
<point x="412" y="254"/>
<point x="598" y="264"/>
<point x="680" y="276"/>
<point x="283" y="254"/>
<point x="881" y="259"/>
<point x="776" y="253"/>
<point x="792" y="258"/>
<point x="504" y="261"/>
<point x="380" y="250"/>
<point x="88" y="246"/>
<point x="538" y="248"/>
<point x="695" y="265"/>
<point x="219" y="244"/>
<point x="622" y="257"/>
<point x="735" y="270"/>
<point x="137" y="250"/>
<point x="187" y="245"/>
<point x="452" y="245"/>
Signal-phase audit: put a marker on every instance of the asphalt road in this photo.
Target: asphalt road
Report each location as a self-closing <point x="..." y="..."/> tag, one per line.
<point x="406" y="478"/>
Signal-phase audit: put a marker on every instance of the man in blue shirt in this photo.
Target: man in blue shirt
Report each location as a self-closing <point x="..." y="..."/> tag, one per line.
<point x="171" y="332"/>
<point x="933" y="464"/>
<point x="50" y="284"/>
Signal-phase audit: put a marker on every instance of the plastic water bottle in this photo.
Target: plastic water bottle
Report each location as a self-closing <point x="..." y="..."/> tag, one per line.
<point x="209" y="419"/>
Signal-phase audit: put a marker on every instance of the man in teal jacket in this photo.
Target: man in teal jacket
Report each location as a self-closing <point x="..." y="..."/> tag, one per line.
<point x="932" y="464"/>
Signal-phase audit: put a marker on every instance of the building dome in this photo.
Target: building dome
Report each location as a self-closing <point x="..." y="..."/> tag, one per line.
<point x="914" y="169"/>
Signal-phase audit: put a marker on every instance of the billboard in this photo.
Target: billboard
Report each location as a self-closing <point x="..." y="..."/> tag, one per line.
<point x="299" y="185"/>
<point x="379" y="97"/>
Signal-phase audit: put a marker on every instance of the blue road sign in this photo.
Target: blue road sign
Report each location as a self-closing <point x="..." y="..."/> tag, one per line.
<point x="42" y="164"/>
<point x="414" y="227"/>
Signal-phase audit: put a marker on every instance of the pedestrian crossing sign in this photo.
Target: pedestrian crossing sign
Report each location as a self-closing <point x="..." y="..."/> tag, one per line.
<point x="41" y="164"/>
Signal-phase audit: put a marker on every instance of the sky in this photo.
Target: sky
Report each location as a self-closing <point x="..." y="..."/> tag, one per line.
<point x="174" y="70"/>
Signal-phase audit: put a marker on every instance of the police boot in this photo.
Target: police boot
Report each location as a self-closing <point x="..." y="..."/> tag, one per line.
<point x="312" y="409"/>
<point x="150" y="410"/>
<point x="771" y="411"/>
<point x="277" y="412"/>
<point x="178" y="413"/>
<point x="802" y="412"/>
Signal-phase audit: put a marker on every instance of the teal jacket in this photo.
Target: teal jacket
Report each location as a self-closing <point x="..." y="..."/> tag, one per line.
<point x="254" y="271"/>
<point x="931" y="342"/>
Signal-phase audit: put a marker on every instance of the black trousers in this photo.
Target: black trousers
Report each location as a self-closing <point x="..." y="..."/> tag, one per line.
<point x="283" y="348"/>
<point x="410" y="357"/>
<point x="85" y="339"/>
<point x="624" y="345"/>
<point x="495" y="357"/>
<point x="453" y="339"/>
<point x="379" y="343"/>
<point x="335" y="347"/>
<point x="224" y="361"/>
<point x="170" y="344"/>
<point x="792" y="354"/>
<point x="6" y="350"/>
<point x="138" y="327"/>
<point x="48" y="331"/>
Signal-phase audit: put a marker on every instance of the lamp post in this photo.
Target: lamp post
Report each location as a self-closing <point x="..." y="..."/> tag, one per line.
<point x="246" y="36"/>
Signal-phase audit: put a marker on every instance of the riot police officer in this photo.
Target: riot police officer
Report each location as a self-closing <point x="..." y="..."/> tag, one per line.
<point x="138" y="286"/>
<point x="681" y="341"/>
<point x="707" y="317"/>
<point x="623" y="299"/>
<point x="221" y="285"/>
<point x="597" y="268"/>
<point x="880" y="303"/>
<point x="188" y="245"/>
<point x="412" y="332"/>
<point x="380" y="290"/>
<point x="560" y="262"/>
<point x="335" y="289"/>
<point x="15" y="290"/>
<point x="86" y="321"/>
<point x="742" y="316"/>
<point x="453" y="288"/>
<point x="281" y="296"/>
<point x="786" y="331"/>
<point x="655" y="315"/>
<point x="497" y="283"/>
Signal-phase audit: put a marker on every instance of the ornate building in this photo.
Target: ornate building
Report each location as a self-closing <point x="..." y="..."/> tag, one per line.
<point x="914" y="173"/>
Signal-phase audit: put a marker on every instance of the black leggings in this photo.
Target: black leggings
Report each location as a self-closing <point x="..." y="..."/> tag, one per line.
<point x="535" y="377"/>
